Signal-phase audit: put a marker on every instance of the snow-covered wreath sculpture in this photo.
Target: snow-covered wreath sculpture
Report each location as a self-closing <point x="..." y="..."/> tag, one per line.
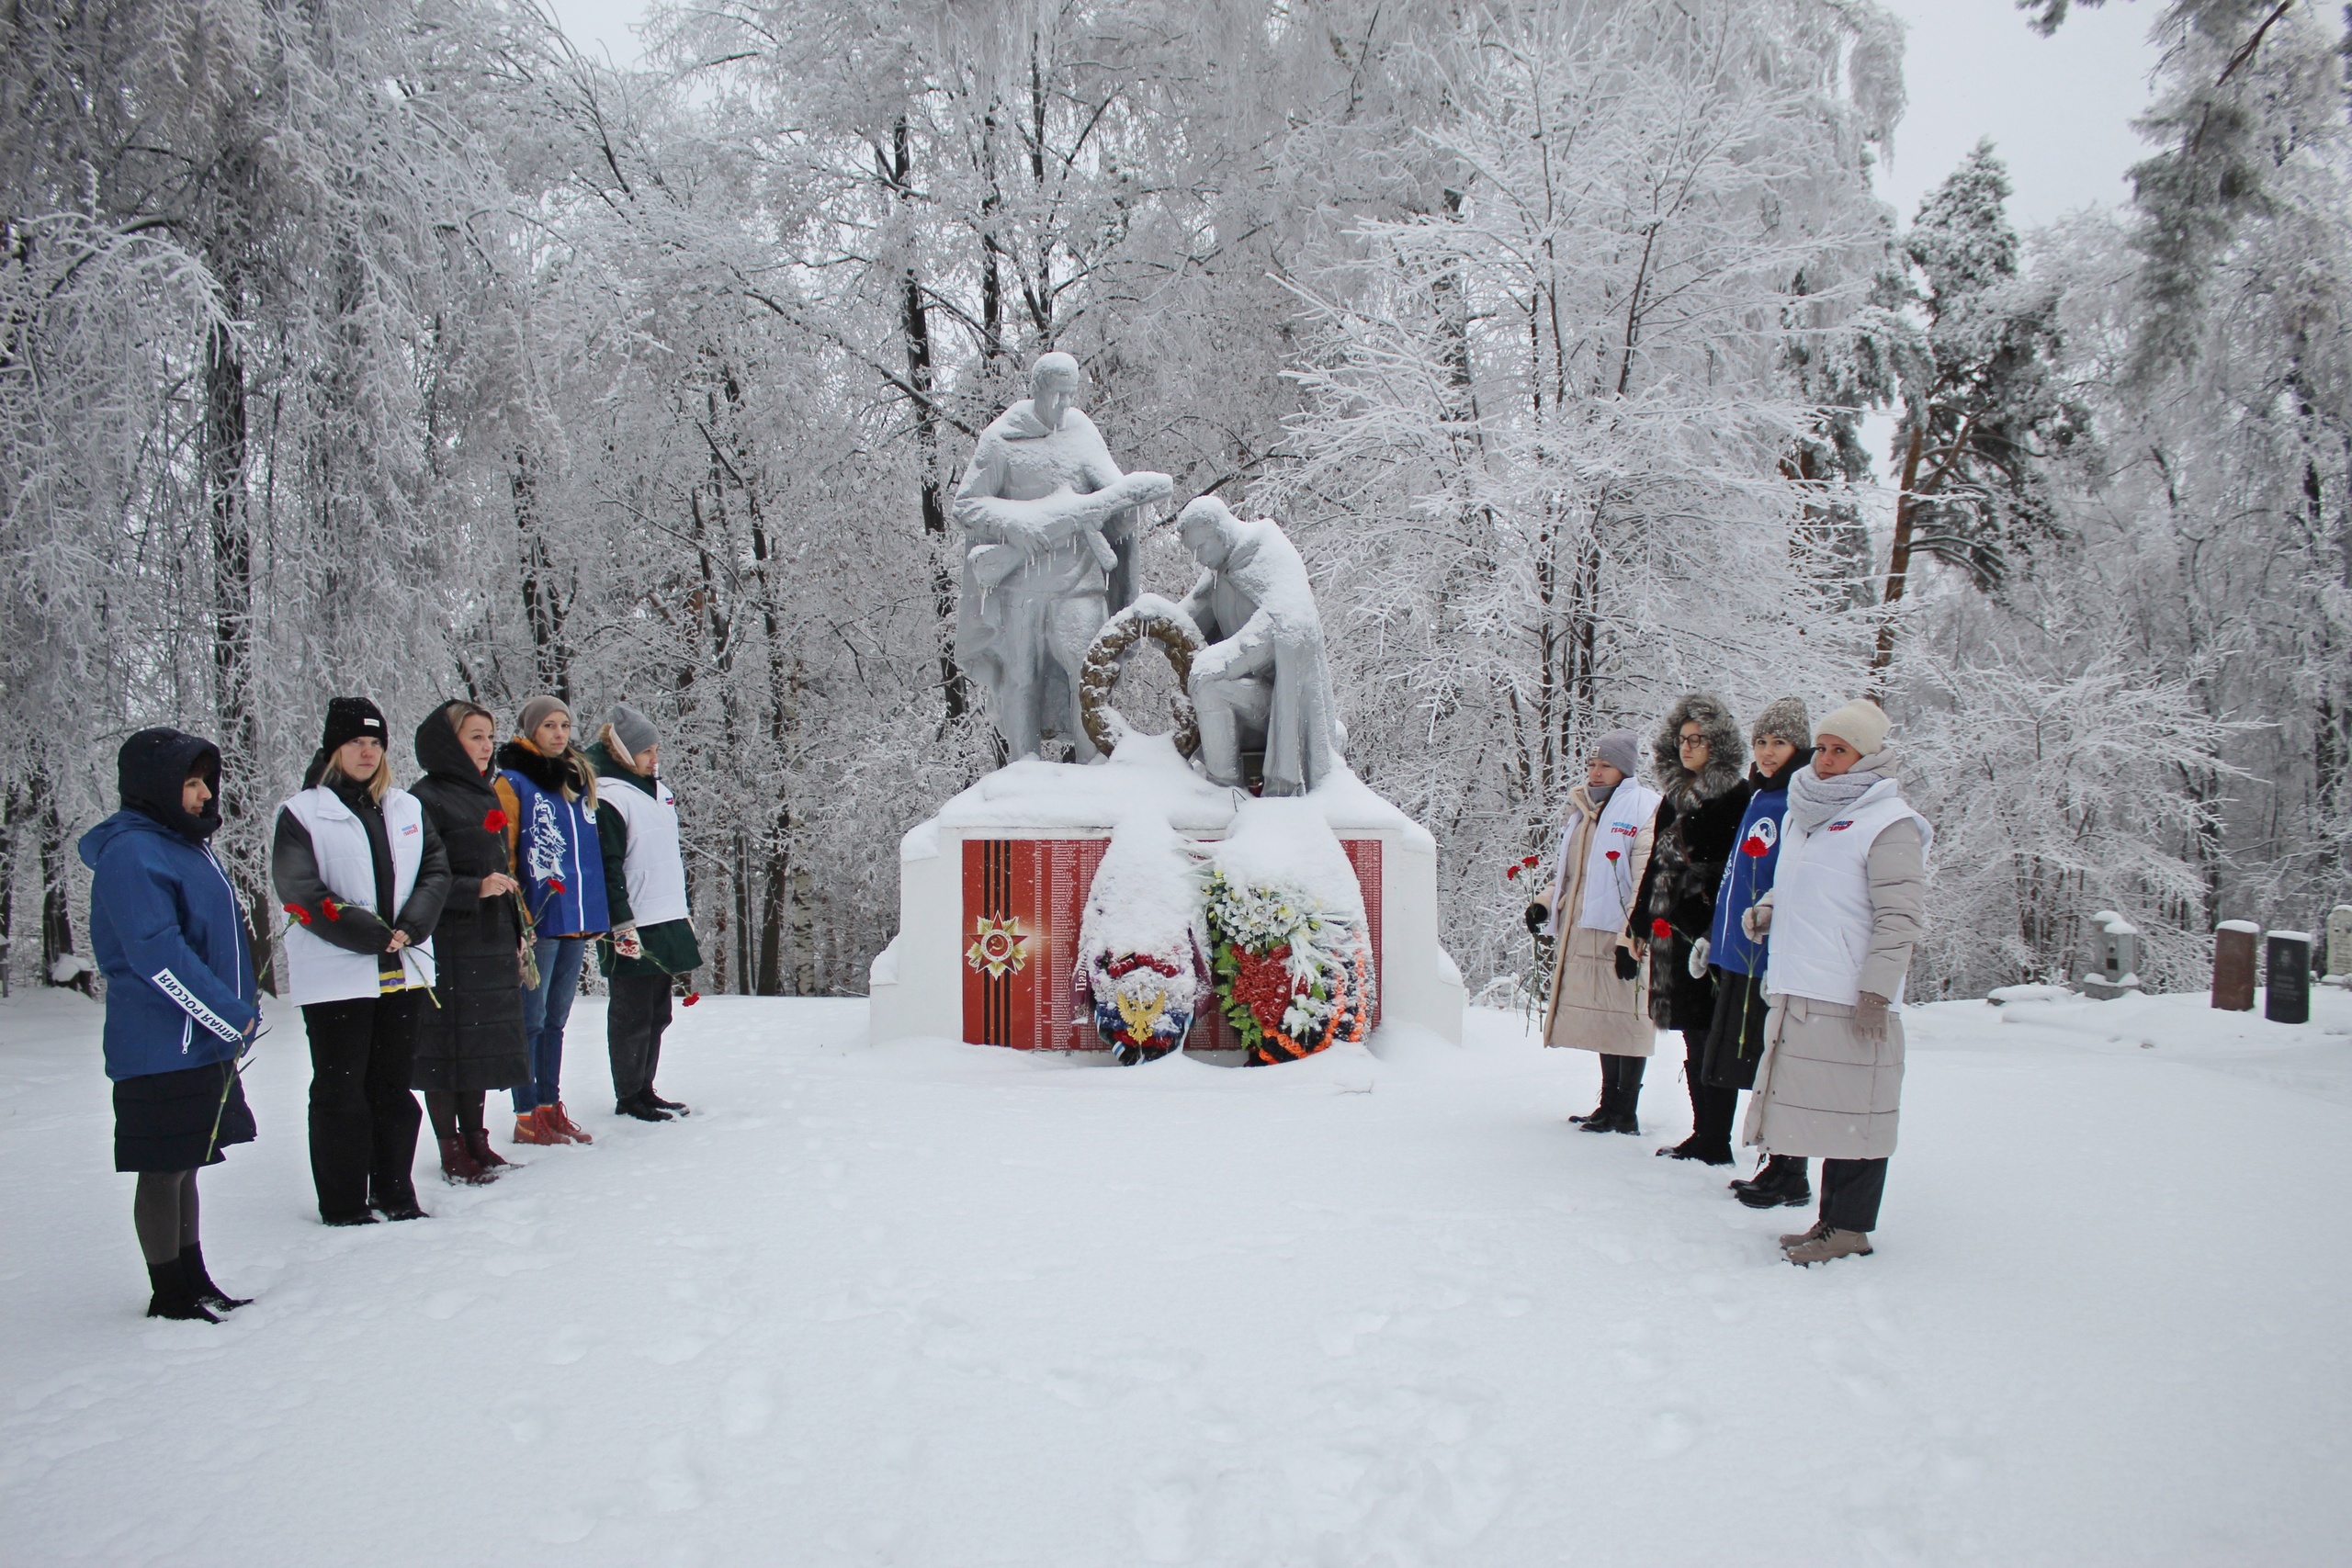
<point x="1149" y="616"/>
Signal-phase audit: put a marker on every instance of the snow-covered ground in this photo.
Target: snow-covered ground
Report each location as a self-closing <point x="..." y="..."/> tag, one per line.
<point x="936" y="1305"/>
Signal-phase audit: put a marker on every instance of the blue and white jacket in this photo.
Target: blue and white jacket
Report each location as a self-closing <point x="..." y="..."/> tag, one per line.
<point x="1747" y="878"/>
<point x="555" y="841"/>
<point x="170" y="940"/>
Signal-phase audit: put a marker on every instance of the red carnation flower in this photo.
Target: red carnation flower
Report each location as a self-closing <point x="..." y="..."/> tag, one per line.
<point x="1612" y="854"/>
<point x="333" y="909"/>
<point x="496" y="821"/>
<point x="1661" y="930"/>
<point x="299" y="912"/>
<point x="1512" y="871"/>
<point x="555" y="884"/>
<point x="693" y="997"/>
<point x="1530" y="861"/>
<point x="1756" y="849"/>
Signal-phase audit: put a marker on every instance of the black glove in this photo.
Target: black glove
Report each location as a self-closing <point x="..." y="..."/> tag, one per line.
<point x="1536" y="915"/>
<point x="1628" y="967"/>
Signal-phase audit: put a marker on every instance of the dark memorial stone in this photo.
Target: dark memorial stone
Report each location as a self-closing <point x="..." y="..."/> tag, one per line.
<point x="2233" y="965"/>
<point x="2286" y="991"/>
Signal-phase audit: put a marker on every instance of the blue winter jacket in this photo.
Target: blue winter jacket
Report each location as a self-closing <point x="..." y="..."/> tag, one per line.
<point x="172" y="943"/>
<point x="555" y="841"/>
<point x="1747" y="878"/>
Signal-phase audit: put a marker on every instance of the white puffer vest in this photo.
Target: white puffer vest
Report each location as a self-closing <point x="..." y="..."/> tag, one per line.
<point x="654" y="870"/>
<point x="1607" y="883"/>
<point x="317" y="970"/>
<point x="1820" y="936"/>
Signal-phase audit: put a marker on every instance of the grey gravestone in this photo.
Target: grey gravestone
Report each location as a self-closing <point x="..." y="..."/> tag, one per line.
<point x="2287" y="990"/>
<point x="2233" y="965"/>
<point x="2339" y="944"/>
<point x="2116" y="971"/>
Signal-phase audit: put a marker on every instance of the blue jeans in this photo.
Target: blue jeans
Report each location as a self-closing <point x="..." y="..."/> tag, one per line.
<point x="545" y="1011"/>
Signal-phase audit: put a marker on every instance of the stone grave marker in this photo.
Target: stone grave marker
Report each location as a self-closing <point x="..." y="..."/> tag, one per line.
<point x="2339" y="945"/>
<point x="2233" y="965"/>
<point x="2116" y="971"/>
<point x="2287" y="988"/>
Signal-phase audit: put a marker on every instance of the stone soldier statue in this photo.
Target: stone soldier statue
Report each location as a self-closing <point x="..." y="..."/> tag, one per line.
<point x="1049" y="527"/>
<point x="1262" y="681"/>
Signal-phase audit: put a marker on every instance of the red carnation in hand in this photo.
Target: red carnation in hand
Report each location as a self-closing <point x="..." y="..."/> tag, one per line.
<point x="1661" y="930"/>
<point x="692" y="997"/>
<point x="333" y="909"/>
<point x="299" y="912"/>
<point x="1512" y="871"/>
<point x="1612" y="854"/>
<point x="495" y="822"/>
<point x="1756" y="849"/>
<point x="555" y="884"/>
<point x="1530" y="859"/>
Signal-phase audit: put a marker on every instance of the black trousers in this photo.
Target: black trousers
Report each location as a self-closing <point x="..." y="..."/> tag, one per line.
<point x="1710" y="1107"/>
<point x="1850" y="1190"/>
<point x="634" y="1019"/>
<point x="363" y="1118"/>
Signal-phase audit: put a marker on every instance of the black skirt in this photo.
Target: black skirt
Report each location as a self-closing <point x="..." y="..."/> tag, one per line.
<point x="164" y="1121"/>
<point x="1735" y="1034"/>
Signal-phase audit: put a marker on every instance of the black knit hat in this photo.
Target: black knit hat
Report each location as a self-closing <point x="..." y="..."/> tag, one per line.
<point x="353" y="718"/>
<point x="151" y="767"/>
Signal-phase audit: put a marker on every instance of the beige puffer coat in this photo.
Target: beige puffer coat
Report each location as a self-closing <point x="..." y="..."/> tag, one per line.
<point x="1823" y="1091"/>
<point x="1591" y="1008"/>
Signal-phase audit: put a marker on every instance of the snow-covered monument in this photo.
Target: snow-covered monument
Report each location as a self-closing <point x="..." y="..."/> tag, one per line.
<point x="1231" y="887"/>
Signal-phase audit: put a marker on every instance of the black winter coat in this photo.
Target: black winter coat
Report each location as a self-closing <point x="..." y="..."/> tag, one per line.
<point x="1697" y="821"/>
<point x="474" y="1039"/>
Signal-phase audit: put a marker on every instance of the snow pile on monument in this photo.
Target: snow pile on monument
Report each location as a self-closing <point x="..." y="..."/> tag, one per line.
<point x="1291" y="945"/>
<point x="1141" y="968"/>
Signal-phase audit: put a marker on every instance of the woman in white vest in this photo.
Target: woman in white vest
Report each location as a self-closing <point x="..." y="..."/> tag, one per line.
<point x="362" y="874"/>
<point x="1598" y="1000"/>
<point x="1846" y="910"/>
<point x="652" y="945"/>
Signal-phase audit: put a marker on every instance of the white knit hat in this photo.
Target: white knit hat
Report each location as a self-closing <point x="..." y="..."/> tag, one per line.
<point x="1861" y="724"/>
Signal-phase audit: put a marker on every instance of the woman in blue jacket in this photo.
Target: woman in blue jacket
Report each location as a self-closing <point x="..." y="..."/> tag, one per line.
<point x="182" y="1006"/>
<point x="1780" y="741"/>
<point x="560" y="861"/>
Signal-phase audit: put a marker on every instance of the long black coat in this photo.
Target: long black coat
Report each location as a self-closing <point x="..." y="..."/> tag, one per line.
<point x="474" y="1039"/>
<point x="1698" y="819"/>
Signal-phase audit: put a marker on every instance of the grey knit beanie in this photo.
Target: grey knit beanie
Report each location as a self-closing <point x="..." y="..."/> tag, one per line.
<point x="536" y="711"/>
<point x="1785" y="718"/>
<point x="634" y="731"/>
<point x="1621" y="750"/>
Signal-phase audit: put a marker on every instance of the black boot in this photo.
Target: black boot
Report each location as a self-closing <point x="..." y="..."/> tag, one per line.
<point x="171" y="1297"/>
<point x="1604" y="1116"/>
<point x="675" y="1107"/>
<point x="1699" y="1147"/>
<point x="398" y="1206"/>
<point x="200" y="1285"/>
<point x="1629" y="1099"/>
<point x="1781" y="1184"/>
<point x="637" y="1105"/>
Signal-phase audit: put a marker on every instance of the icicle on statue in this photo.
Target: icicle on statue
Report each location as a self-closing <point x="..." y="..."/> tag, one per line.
<point x="1141" y="970"/>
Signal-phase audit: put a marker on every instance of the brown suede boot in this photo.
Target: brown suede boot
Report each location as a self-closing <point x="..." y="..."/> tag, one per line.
<point x="1830" y="1245"/>
<point x="458" y="1165"/>
<point x="572" y="1132"/>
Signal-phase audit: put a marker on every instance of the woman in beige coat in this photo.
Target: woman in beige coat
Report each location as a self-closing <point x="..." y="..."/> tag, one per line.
<point x="1598" y="998"/>
<point x="1846" y="908"/>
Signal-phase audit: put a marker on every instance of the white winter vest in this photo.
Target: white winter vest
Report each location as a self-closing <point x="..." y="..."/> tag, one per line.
<point x="1820" y="936"/>
<point x="654" y="871"/>
<point x="317" y="970"/>
<point x="1609" y="884"/>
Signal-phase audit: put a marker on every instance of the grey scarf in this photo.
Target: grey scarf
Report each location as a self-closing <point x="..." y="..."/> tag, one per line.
<point x="1814" y="800"/>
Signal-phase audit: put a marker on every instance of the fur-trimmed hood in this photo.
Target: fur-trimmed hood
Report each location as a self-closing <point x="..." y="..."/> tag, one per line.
<point x="569" y="775"/>
<point x="1726" y="749"/>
